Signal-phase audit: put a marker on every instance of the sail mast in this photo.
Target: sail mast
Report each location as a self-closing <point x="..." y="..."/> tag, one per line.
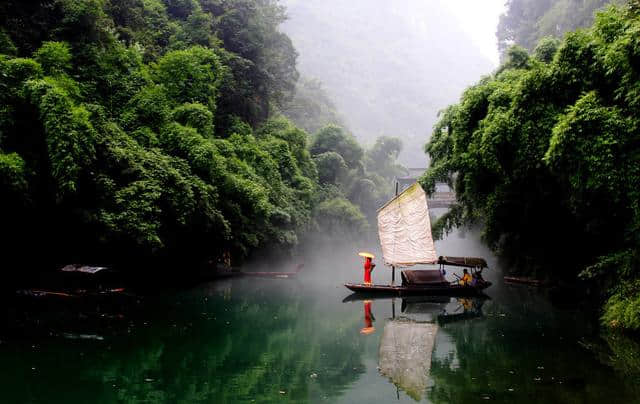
<point x="393" y="267"/>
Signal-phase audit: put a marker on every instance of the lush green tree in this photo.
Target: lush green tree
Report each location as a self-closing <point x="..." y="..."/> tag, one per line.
<point x="264" y="63"/>
<point x="335" y="139"/>
<point x="144" y="23"/>
<point x="546" y="49"/>
<point x="297" y="139"/>
<point x="14" y="180"/>
<point x="6" y="45"/>
<point x="54" y="57"/>
<point x="331" y="167"/>
<point x="190" y="75"/>
<point x="338" y="217"/>
<point x="196" y="116"/>
<point x="516" y="58"/>
<point x="148" y="108"/>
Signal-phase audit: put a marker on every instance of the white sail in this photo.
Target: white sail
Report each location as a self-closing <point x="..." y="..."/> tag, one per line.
<point x="405" y="229"/>
<point x="405" y="354"/>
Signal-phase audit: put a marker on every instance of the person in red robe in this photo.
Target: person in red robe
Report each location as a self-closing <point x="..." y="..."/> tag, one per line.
<point x="368" y="268"/>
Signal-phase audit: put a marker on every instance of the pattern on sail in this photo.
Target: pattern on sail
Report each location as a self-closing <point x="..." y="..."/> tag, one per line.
<point x="404" y="229"/>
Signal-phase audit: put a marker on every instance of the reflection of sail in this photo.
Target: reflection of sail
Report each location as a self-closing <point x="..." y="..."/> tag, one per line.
<point x="405" y="354"/>
<point x="405" y="229"/>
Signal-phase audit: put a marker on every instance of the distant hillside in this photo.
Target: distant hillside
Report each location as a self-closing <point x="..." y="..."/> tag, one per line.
<point x="388" y="66"/>
<point x="311" y="108"/>
<point x="527" y="21"/>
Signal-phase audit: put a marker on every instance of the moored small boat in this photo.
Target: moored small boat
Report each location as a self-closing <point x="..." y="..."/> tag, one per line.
<point x="524" y="281"/>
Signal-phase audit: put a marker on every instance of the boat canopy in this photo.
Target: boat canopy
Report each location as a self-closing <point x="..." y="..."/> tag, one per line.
<point x="404" y="229"/>
<point x="469" y="262"/>
<point x="423" y="277"/>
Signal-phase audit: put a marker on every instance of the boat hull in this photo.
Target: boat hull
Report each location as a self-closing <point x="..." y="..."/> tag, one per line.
<point x="398" y="290"/>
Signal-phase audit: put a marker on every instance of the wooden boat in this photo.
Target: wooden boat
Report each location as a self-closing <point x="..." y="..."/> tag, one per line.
<point x="78" y="282"/>
<point x="524" y="281"/>
<point x="404" y="229"/>
<point x="426" y="290"/>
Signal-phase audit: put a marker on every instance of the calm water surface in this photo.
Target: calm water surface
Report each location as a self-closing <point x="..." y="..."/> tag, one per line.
<point x="278" y="340"/>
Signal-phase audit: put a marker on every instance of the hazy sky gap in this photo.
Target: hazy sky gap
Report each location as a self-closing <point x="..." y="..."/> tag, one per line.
<point x="479" y="20"/>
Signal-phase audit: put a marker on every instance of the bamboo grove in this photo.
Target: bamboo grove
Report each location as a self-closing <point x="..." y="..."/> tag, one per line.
<point x="546" y="153"/>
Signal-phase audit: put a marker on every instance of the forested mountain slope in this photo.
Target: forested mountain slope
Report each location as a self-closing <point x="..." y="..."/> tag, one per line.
<point x="132" y="129"/>
<point x="528" y="21"/>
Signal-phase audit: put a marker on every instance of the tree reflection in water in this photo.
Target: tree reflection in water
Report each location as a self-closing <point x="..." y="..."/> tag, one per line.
<point x="208" y="345"/>
<point x="524" y="351"/>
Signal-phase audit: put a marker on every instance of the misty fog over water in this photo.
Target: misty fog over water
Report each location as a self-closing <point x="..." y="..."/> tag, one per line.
<point x="388" y="66"/>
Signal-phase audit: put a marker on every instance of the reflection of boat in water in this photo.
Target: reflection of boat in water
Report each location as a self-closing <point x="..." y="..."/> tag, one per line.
<point x="405" y="354"/>
<point x="443" y="309"/>
<point x="404" y="228"/>
<point x="357" y="297"/>
<point x="468" y="309"/>
<point x="424" y="304"/>
<point x="408" y="340"/>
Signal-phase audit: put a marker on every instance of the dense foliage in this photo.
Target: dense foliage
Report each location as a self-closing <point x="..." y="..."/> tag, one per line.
<point x="526" y="22"/>
<point x="365" y="177"/>
<point x="546" y="153"/>
<point x="149" y="128"/>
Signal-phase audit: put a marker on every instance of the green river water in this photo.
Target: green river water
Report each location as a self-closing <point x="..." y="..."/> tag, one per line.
<point x="279" y="340"/>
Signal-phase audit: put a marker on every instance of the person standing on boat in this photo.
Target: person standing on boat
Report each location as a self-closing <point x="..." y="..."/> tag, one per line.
<point x="368" y="268"/>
